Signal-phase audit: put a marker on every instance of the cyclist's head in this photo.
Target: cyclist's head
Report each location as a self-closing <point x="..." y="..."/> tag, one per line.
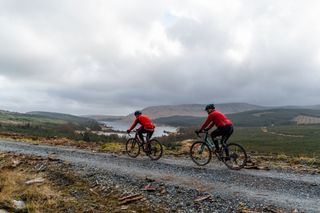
<point x="210" y="107"/>
<point x="137" y="113"/>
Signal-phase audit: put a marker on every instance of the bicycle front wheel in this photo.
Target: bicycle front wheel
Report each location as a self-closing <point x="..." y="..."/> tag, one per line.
<point x="200" y="153"/>
<point x="234" y="156"/>
<point x="132" y="147"/>
<point x="156" y="149"/>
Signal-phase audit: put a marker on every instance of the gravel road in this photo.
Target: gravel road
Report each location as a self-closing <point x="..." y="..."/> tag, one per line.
<point x="184" y="182"/>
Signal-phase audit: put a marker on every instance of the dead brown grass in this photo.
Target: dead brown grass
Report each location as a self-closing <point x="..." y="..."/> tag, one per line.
<point x="61" y="191"/>
<point x="36" y="196"/>
<point x="282" y="161"/>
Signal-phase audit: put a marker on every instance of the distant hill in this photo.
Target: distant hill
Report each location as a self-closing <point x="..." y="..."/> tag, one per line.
<point x="180" y="121"/>
<point x="11" y="121"/>
<point x="81" y="121"/>
<point x="315" y="107"/>
<point x="192" y="114"/>
<point x="193" y="110"/>
<point x="271" y="117"/>
<point x="254" y="118"/>
<point x="104" y="117"/>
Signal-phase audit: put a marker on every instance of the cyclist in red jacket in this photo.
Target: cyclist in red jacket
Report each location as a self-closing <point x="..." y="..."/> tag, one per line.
<point x="146" y="126"/>
<point x="223" y="124"/>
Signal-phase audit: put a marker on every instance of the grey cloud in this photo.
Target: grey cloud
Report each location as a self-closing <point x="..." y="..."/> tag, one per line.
<point x="106" y="57"/>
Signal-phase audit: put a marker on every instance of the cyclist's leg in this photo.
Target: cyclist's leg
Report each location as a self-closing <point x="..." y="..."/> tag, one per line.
<point x="227" y="132"/>
<point x="149" y="134"/>
<point x="140" y="132"/>
<point x="217" y="132"/>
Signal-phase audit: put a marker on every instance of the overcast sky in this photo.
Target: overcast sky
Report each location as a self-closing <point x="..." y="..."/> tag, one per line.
<point x="113" y="57"/>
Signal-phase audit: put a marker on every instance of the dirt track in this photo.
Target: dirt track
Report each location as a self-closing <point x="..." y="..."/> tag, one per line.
<point x="185" y="181"/>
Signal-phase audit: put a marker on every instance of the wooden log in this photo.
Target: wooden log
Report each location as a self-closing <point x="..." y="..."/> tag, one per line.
<point x="129" y="200"/>
<point x="128" y="197"/>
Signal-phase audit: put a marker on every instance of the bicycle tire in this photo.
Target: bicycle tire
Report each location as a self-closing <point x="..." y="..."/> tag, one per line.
<point x="237" y="158"/>
<point x="131" y="144"/>
<point x="156" y="149"/>
<point x="197" y="147"/>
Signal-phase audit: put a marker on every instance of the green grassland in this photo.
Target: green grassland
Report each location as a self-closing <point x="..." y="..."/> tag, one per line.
<point x="292" y="140"/>
<point x="17" y="118"/>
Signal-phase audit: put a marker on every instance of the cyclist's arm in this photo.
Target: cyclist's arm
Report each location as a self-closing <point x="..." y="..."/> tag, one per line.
<point x="210" y="126"/>
<point x="205" y="124"/>
<point x="134" y="124"/>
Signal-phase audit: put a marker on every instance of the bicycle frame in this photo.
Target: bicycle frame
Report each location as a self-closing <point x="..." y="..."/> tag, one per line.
<point x="208" y="140"/>
<point x="137" y="138"/>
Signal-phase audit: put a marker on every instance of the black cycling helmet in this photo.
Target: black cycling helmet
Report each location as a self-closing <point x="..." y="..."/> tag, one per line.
<point x="136" y="113"/>
<point x="210" y="106"/>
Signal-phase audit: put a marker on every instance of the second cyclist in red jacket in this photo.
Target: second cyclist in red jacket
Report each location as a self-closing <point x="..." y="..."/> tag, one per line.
<point x="218" y="119"/>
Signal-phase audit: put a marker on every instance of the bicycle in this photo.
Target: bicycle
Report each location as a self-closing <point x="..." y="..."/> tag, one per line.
<point x="232" y="155"/>
<point x="134" y="144"/>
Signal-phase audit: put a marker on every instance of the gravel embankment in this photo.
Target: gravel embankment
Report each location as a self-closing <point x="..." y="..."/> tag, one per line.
<point x="182" y="182"/>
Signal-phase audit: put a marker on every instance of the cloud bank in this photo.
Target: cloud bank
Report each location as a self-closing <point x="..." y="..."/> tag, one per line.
<point x="112" y="57"/>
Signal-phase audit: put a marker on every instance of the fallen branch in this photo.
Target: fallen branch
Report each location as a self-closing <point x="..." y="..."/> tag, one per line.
<point x="131" y="200"/>
<point x="128" y="197"/>
<point x="37" y="180"/>
<point x="202" y="198"/>
<point x="94" y="192"/>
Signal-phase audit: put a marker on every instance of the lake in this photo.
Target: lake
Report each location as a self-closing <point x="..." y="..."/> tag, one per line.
<point x="123" y="126"/>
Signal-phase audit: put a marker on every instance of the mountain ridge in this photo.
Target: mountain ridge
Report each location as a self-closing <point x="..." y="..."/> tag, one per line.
<point x="253" y="118"/>
<point x="194" y="110"/>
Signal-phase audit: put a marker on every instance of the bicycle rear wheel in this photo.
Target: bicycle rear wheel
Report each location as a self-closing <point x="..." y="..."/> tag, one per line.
<point x="132" y="147"/>
<point x="200" y="153"/>
<point x="234" y="156"/>
<point x="156" y="150"/>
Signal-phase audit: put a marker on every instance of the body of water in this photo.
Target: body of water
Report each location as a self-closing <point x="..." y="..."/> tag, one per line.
<point x="123" y="126"/>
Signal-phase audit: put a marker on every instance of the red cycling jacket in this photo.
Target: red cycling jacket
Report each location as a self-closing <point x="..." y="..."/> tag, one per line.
<point x="215" y="118"/>
<point x="144" y="121"/>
